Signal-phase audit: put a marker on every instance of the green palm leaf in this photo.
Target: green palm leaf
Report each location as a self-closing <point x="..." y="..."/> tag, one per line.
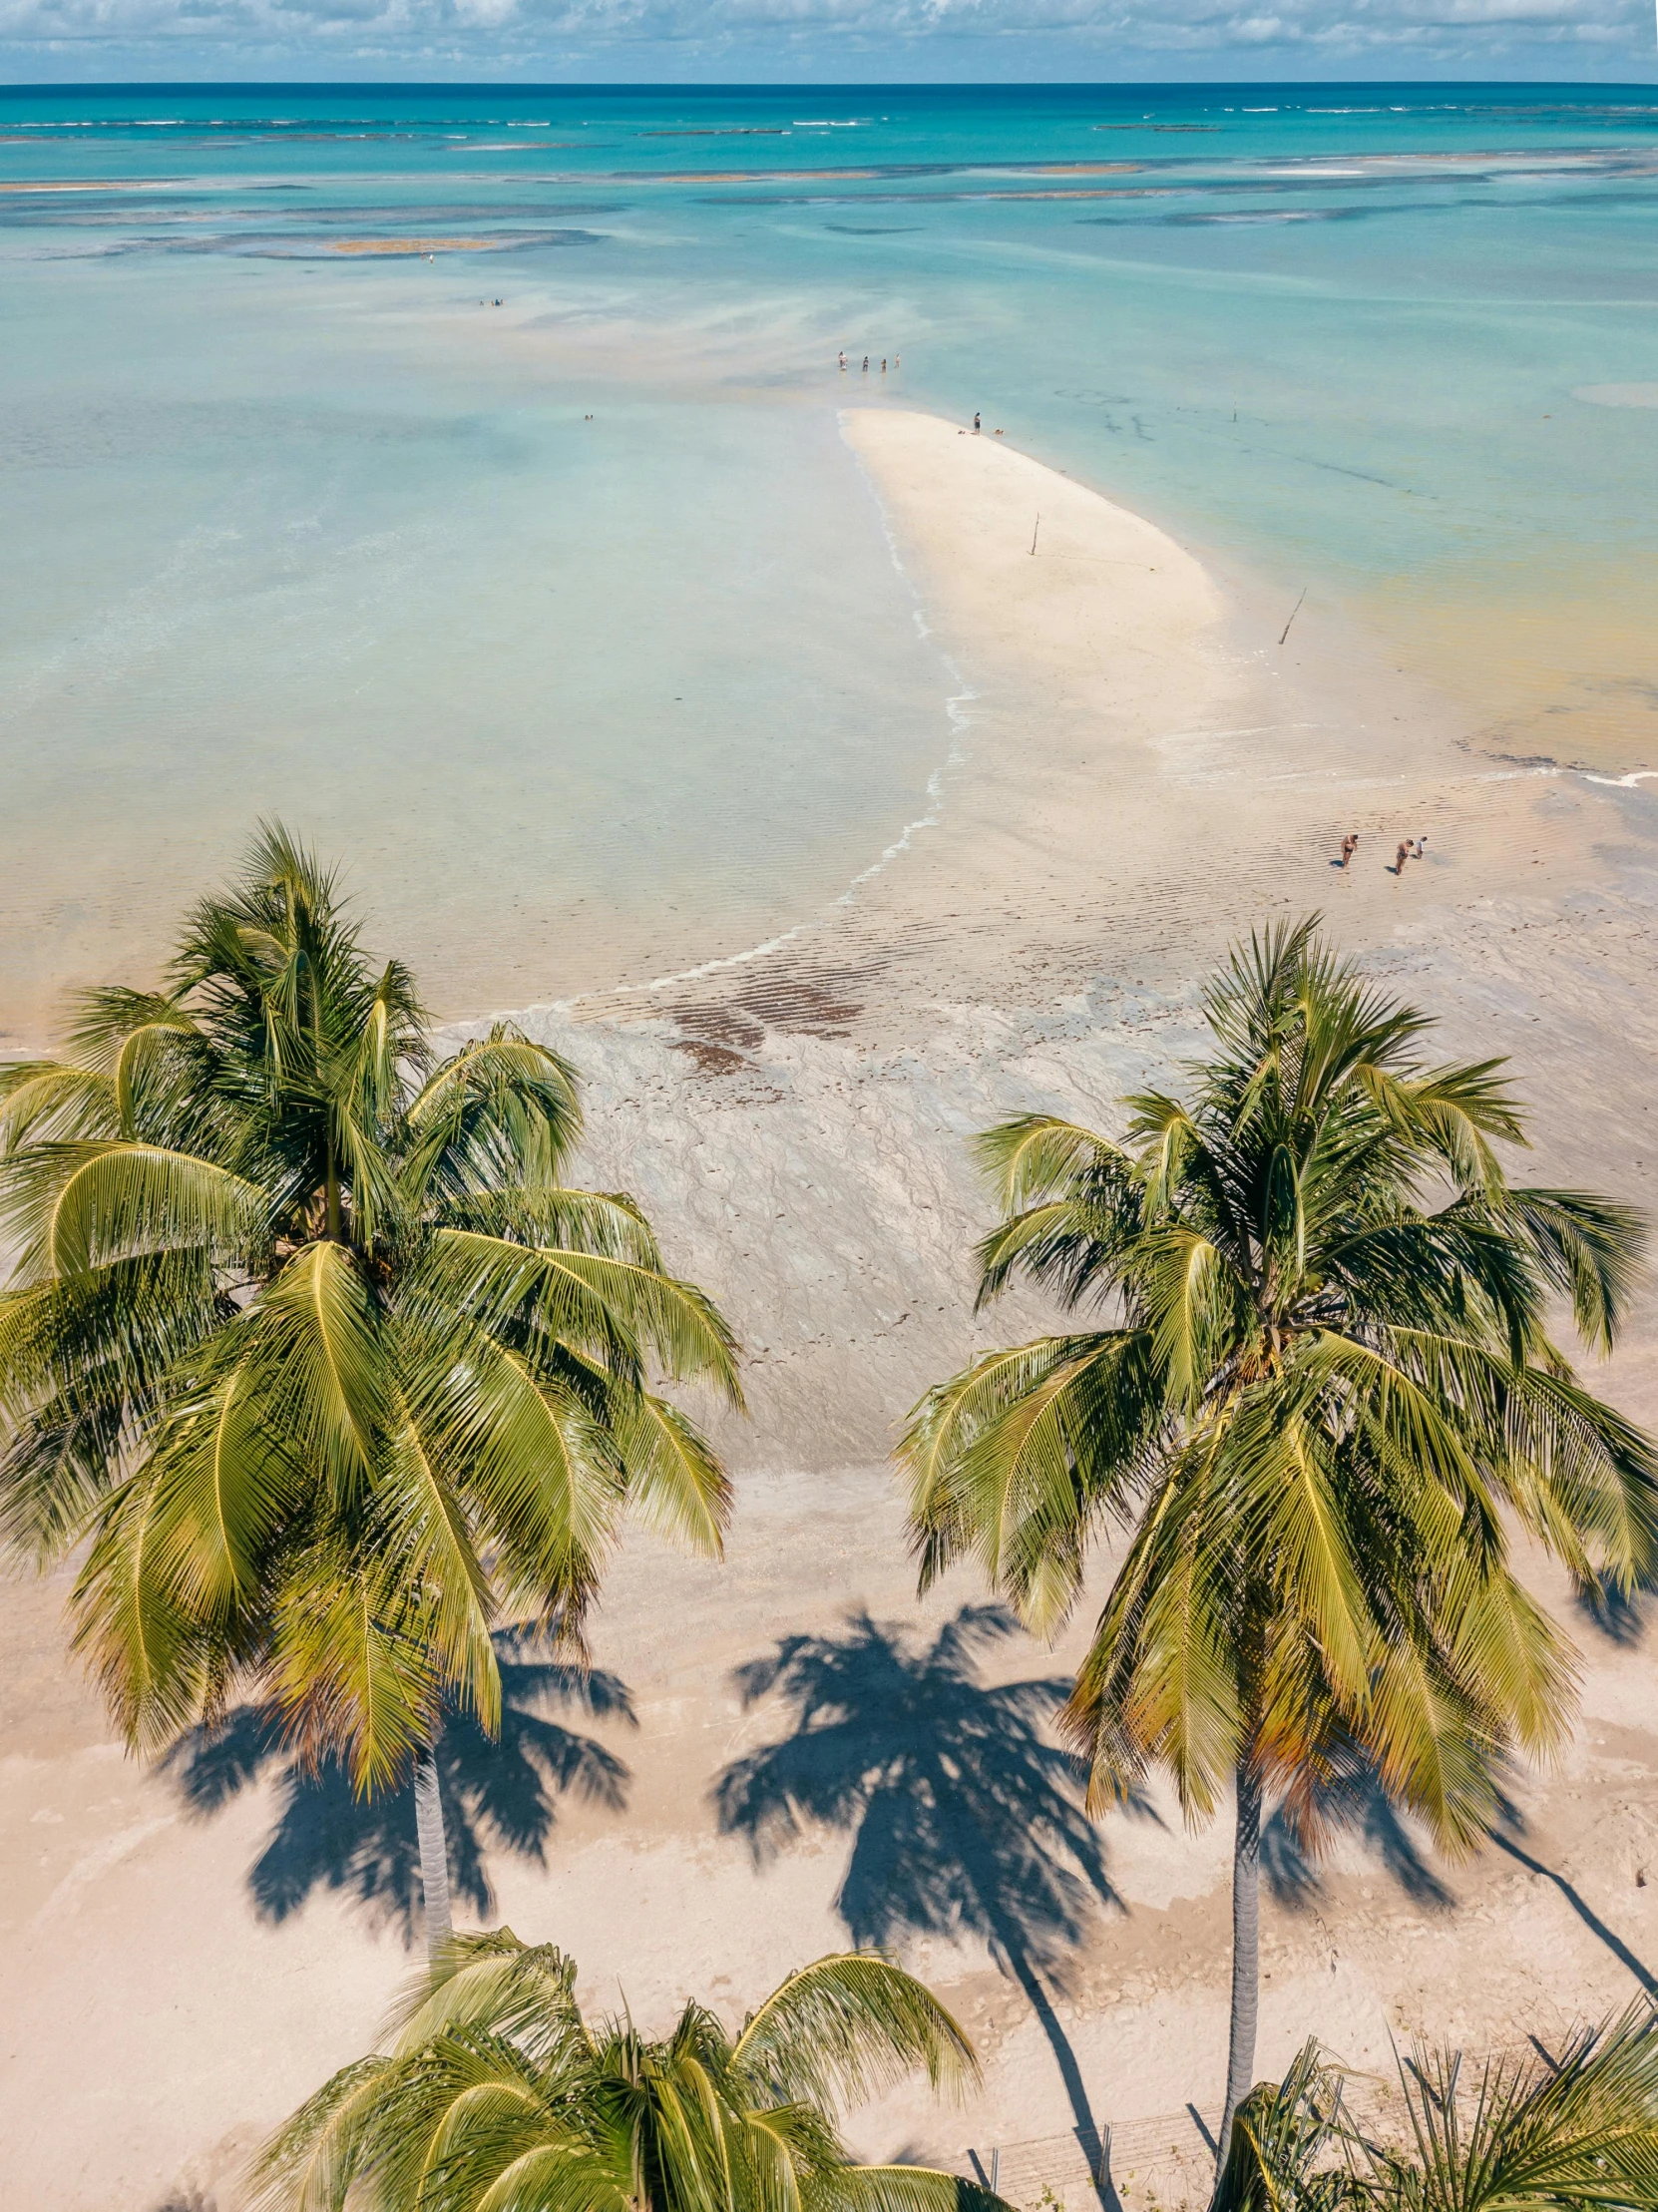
<point x="501" y="1114"/>
<point x="43" y="1100"/>
<point x="325" y="1357"/>
<point x="912" y="2189"/>
<point x="353" y="1665"/>
<point x="152" y="1659"/>
<point x="676" y="1484"/>
<point x="847" y="2028"/>
<point x="76" y="1207"/>
<point x="612" y="1307"/>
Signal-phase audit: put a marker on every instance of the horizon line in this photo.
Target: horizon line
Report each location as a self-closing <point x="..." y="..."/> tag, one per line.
<point x="585" y="85"/>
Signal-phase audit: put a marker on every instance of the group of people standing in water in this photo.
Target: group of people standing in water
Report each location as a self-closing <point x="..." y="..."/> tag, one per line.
<point x="898" y="363"/>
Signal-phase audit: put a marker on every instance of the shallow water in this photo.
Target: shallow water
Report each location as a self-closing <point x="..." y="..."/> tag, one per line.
<point x="300" y="520"/>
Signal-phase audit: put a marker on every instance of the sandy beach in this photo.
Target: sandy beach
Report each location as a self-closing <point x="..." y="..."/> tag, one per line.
<point x="1140" y="769"/>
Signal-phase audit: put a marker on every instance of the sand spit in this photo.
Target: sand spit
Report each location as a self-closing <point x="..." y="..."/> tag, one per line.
<point x="1143" y="766"/>
<point x="1139" y="775"/>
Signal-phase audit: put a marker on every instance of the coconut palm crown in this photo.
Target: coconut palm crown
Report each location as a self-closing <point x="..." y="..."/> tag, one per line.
<point x="308" y="1337"/>
<point x="1318" y="1392"/>
<point x="1573" y="2131"/>
<point x="497" y="2095"/>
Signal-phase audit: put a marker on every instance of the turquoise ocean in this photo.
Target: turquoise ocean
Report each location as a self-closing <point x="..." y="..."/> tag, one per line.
<point x="456" y="471"/>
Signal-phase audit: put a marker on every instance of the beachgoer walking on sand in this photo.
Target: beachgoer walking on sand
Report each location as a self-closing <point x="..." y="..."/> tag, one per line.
<point x="976" y="422"/>
<point x="1400" y="858"/>
<point x="1350" y="845"/>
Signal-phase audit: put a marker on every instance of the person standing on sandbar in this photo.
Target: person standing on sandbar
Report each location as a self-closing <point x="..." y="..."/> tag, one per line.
<point x="1350" y="845"/>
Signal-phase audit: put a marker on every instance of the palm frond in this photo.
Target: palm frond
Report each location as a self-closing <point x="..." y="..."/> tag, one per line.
<point x="674" y="1482"/>
<point x="326" y="1361"/>
<point x="418" y="1518"/>
<point x="531" y="1458"/>
<point x="848" y="2027"/>
<point x="1019" y="1457"/>
<point x="1589" y="1249"/>
<point x="1581" y="2132"/>
<point x="45" y="1100"/>
<point x="501" y="1114"/>
<point x="316" y="2160"/>
<point x="91" y="1356"/>
<point x="606" y="1222"/>
<point x="352" y="1665"/>
<point x="1032" y="1156"/>
<point x="615" y="1309"/>
<point x="1278" y="2156"/>
<point x="77" y="1207"/>
<point x="152" y="1659"/>
<point x="912" y="2189"/>
<point x="523" y="1993"/>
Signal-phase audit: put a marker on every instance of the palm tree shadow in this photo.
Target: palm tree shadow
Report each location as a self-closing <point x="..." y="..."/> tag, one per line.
<point x="502" y="1794"/>
<point x="1620" y="1614"/>
<point x="1505" y="1832"/>
<point x="1350" y="1801"/>
<point x="966" y="1816"/>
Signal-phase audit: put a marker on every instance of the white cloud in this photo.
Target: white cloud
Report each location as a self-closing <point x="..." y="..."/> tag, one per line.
<point x="695" y="38"/>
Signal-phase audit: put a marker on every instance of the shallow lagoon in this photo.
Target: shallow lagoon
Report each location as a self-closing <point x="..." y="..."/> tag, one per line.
<point x="297" y="522"/>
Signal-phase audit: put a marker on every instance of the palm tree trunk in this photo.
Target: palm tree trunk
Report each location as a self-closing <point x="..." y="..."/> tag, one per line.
<point x="434" y="1854"/>
<point x="1246" y="1951"/>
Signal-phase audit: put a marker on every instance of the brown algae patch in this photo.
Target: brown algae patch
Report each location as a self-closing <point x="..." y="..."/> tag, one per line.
<point x="1551" y="666"/>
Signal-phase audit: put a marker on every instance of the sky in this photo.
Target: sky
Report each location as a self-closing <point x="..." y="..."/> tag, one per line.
<point x="826" y="41"/>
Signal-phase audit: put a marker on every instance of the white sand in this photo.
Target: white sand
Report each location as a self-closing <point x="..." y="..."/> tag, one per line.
<point x="1145" y="771"/>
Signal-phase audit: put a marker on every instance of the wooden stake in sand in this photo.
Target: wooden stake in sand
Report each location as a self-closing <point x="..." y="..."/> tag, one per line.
<point x="1294" y="610"/>
<point x="1033" y="534"/>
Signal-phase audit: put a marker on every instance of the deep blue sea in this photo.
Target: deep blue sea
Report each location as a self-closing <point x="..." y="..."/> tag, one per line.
<point x="305" y="510"/>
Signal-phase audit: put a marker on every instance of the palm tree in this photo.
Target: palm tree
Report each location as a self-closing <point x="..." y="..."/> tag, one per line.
<point x="309" y="1341"/>
<point x="498" y="2095"/>
<point x="1281" y="2153"/>
<point x="1318" y="1392"/>
<point x="1570" y="2134"/>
